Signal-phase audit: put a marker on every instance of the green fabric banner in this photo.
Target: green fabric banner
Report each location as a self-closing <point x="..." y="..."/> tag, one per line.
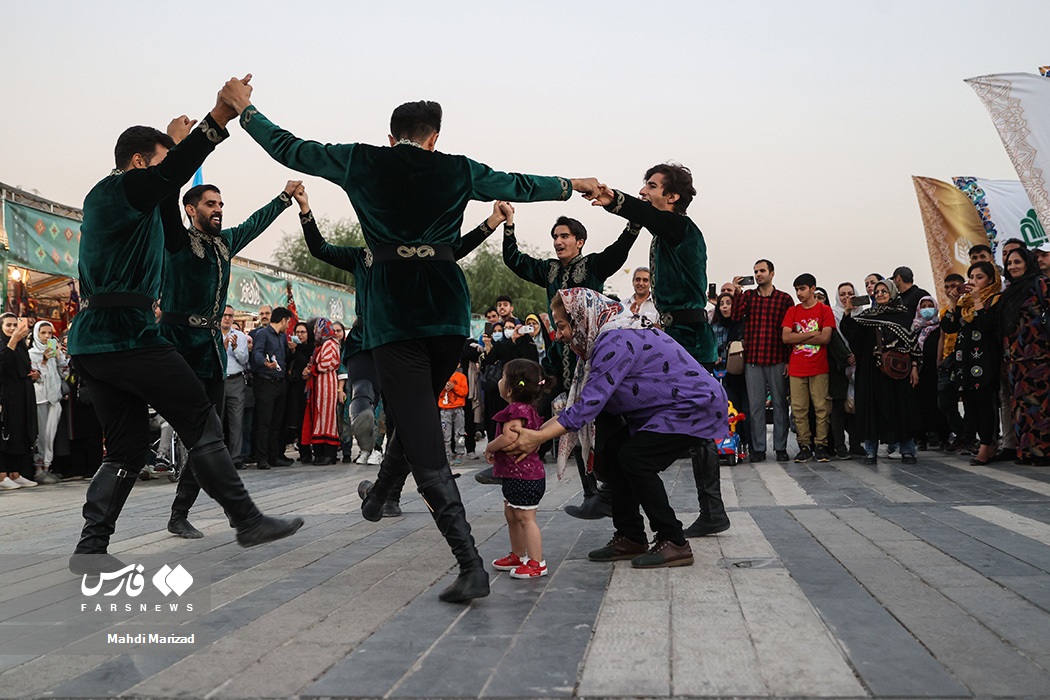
<point x="250" y="289"/>
<point x="314" y="300"/>
<point x="41" y="241"/>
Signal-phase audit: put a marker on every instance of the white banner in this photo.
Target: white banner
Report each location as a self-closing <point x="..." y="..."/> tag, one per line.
<point x="1005" y="211"/>
<point x="1019" y="104"/>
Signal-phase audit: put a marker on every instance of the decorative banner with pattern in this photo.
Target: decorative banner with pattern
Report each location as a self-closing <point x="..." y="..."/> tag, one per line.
<point x="313" y="300"/>
<point x="250" y="289"/>
<point x="40" y="241"/>
<point x="1004" y="210"/>
<point x="1019" y="104"/>
<point x="952" y="228"/>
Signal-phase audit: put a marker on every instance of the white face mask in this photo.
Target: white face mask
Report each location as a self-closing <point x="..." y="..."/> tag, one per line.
<point x="497" y="335"/>
<point x="526" y="330"/>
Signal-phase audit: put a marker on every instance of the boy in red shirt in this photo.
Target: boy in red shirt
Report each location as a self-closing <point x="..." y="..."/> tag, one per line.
<point x="807" y="328"/>
<point x="451" y="401"/>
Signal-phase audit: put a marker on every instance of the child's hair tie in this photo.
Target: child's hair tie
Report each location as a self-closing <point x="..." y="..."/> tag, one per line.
<point x="521" y="382"/>
<point x="542" y="381"/>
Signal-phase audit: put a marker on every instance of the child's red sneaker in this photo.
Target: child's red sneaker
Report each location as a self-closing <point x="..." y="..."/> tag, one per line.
<point x="508" y="563"/>
<point x="530" y="569"/>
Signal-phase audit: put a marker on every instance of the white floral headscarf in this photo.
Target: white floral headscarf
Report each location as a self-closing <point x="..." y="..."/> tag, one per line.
<point x="590" y="315"/>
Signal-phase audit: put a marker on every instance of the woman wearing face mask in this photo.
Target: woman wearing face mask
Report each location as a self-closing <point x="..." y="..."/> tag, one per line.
<point x="927" y="326"/>
<point x="53" y="366"/>
<point x="517" y="343"/>
<point x="726" y="331"/>
<point x="491" y="372"/>
<point x="295" y="404"/>
<point x="1026" y="344"/>
<point x="18" y="402"/>
<point x="978" y="353"/>
<point x="887" y="409"/>
<point x="535" y="331"/>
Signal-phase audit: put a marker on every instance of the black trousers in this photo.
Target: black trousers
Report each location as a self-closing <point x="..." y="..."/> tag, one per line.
<point x="632" y="466"/>
<point x="413" y="373"/>
<point x="124" y="383"/>
<point x="188" y="489"/>
<point x="267" y="437"/>
<point x="982" y="413"/>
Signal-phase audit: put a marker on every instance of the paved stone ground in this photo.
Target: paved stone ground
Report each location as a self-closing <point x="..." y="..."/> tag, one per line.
<point x="836" y="580"/>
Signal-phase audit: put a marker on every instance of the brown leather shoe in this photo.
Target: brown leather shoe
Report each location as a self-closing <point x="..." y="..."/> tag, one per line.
<point x="619" y="548"/>
<point x="664" y="553"/>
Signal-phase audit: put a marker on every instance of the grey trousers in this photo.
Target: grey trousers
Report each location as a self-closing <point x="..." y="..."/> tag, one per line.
<point x="232" y="413"/>
<point x="760" y="380"/>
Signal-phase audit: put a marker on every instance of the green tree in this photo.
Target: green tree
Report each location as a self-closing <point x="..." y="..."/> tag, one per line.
<point x="293" y="254"/>
<point x="488" y="277"/>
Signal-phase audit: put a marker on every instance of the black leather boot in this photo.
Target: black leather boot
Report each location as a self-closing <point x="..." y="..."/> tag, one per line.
<point x="712" y="518"/>
<point x="441" y="495"/>
<point x="106" y="496"/>
<point x="213" y="467"/>
<point x="389" y="482"/>
<point x="185" y="496"/>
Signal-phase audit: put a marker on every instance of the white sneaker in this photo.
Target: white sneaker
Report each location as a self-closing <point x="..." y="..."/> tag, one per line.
<point x="376" y="457"/>
<point x="8" y="485"/>
<point x="22" y="481"/>
<point x="362" y="457"/>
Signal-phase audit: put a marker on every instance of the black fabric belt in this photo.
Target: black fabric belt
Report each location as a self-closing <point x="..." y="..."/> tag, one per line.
<point x="420" y="252"/>
<point x="673" y="318"/>
<point x="233" y="376"/>
<point x="191" y="320"/>
<point x="112" y="300"/>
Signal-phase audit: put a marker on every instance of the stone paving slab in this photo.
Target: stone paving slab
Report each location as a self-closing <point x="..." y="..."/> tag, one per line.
<point x="836" y="580"/>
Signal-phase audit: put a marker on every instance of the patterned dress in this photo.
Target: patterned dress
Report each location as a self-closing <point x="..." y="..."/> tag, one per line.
<point x="322" y="386"/>
<point x="1027" y="356"/>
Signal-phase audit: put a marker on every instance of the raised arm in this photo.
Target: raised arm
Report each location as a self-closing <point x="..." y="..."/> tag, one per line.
<point x="469" y="242"/>
<point x="488" y="184"/>
<point x="241" y="236"/>
<point x="662" y="224"/>
<point x="609" y="261"/>
<point x="524" y="266"/>
<point x="343" y="257"/>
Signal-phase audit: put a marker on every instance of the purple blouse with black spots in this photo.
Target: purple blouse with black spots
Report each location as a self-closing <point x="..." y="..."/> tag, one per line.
<point x="650" y="380"/>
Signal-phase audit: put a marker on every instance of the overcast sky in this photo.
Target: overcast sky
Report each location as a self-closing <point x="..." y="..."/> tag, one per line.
<point x="802" y="122"/>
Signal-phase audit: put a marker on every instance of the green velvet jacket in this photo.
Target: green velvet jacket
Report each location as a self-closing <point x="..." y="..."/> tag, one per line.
<point x="197" y="279"/>
<point x="406" y="195"/>
<point x="122" y="244"/>
<point x="357" y="260"/>
<point x="590" y="271"/>
<point x="678" y="265"/>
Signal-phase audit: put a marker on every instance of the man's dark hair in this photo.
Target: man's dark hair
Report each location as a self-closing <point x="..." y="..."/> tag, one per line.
<point x="905" y="273"/>
<point x="279" y="314"/>
<point x="504" y="297"/>
<point x="577" y="229"/>
<point x="805" y="280"/>
<point x="491" y="310"/>
<point x="677" y="180"/>
<point x="194" y="195"/>
<point x="954" y="277"/>
<point x="1015" y="241"/>
<point x="139" y="139"/>
<point x="980" y="248"/>
<point x="769" y="264"/>
<point x="416" y="121"/>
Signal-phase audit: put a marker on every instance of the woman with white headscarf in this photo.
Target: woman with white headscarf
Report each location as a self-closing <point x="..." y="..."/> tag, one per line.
<point x="668" y="402"/>
<point x="53" y="366"/>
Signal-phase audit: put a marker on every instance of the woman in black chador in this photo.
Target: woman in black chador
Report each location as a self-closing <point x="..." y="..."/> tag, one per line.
<point x="17" y="404"/>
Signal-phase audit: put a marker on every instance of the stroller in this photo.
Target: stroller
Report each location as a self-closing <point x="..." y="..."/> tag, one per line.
<point x="168" y="456"/>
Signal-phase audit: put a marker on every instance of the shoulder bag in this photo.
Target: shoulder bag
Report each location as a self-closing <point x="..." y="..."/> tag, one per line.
<point x="895" y="364"/>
